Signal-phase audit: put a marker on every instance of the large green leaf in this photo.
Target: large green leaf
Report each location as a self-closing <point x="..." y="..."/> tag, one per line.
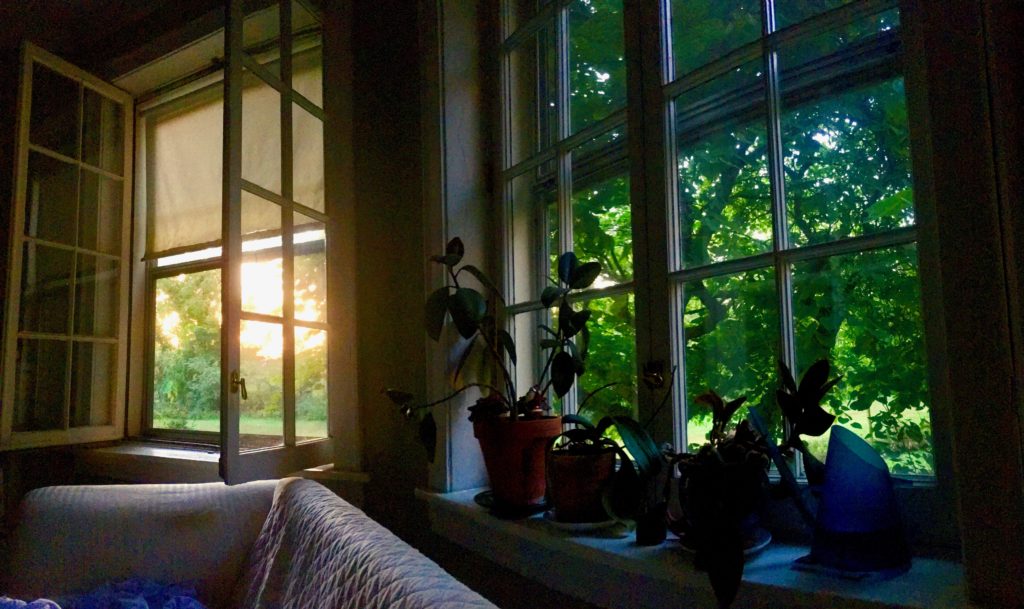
<point x="563" y="373"/>
<point x="467" y="307"/>
<point x="567" y="264"/>
<point x="434" y="311"/>
<point x="584" y="275"/>
<point x="639" y="444"/>
<point x="483" y="279"/>
<point x="551" y="294"/>
<point x="508" y="345"/>
<point x="578" y="420"/>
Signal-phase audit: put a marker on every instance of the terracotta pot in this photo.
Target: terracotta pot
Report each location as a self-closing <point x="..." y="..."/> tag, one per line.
<point x="578" y="482"/>
<point x="514" y="457"/>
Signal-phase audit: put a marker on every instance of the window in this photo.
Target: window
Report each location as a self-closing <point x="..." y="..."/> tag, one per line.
<point x="787" y="200"/>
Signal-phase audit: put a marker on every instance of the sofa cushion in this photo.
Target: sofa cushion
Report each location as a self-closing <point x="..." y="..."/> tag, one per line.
<point x="74" y="538"/>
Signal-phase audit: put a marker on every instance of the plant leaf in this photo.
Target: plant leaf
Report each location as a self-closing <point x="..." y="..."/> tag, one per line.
<point x="731" y="408"/>
<point x="814" y="421"/>
<point x="578" y="420"/>
<point x="639" y="444"/>
<point x="825" y="388"/>
<point x="567" y="264"/>
<point x="455" y="250"/>
<point x="814" y="378"/>
<point x="434" y="311"/>
<point x="467" y="307"/>
<point x="483" y="279"/>
<point x="549" y="343"/>
<point x="563" y="373"/>
<point x="399" y="397"/>
<point x="789" y="404"/>
<point x="428" y="435"/>
<point x="584" y="342"/>
<point x="551" y="294"/>
<point x="580" y="319"/>
<point x="548" y="330"/>
<point x="509" y="345"/>
<point x="584" y="275"/>
<point x="787" y="377"/>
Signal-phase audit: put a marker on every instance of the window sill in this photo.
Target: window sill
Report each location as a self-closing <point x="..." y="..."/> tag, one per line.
<point x="615" y="572"/>
<point x="145" y="462"/>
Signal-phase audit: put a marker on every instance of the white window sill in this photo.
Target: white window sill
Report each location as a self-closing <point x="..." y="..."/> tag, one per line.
<point x="617" y="573"/>
<point x="145" y="462"/>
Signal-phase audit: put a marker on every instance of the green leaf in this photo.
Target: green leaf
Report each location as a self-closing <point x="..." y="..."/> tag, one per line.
<point x="580" y="319"/>
<point x="551" y="294"/>
<point x="434" y="311"/>
<point x="467" y="307"/>
<point x="584" y="275"/>
<point x="563" y="373"/>
<point x="578" y="420"/>
<point x="567" y="263"/>
<point x="548" y="330"/>
<point x="455" y="251"/>
<point x="399" y="397"/>
<point x="550" y="343"/>
<point x="508" y="344"/>
<point x="787" y="377"/>
<point x="639" y="444"/>
<point x="814" y="378"/>
<point x="584" y="342"/>
<point x="483" y="279"/>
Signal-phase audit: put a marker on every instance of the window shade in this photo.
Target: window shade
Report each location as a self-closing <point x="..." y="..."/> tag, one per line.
<point x="185" y="156"/>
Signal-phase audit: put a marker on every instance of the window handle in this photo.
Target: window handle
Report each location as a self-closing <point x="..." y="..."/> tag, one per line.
<point x="238" y="383"/>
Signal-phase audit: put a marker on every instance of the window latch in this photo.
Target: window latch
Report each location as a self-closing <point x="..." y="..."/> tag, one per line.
<point x="238" y="383"/>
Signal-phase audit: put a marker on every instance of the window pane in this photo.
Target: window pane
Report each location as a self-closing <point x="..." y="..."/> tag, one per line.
<point x="99" y="213"/>
<point x="731" y="329"/>
<point x="262" y="419"/>
<point x="308" y="158"/>
<point x="790" y="12"/>
<point x="597" y="66"/>
<point x="261" y="37"/>
<point x="51" y="199"/>
<point x="863" y="312"/>
<point x="45" y="289"/>
<point x="54" y="114"/>
<point x="602" y="217"/>
<point x="40" y="392"/>
<point x="186" y="354"/>
<point x="262" y="280"/>
<point x="611" y="358"/>
<point x="530" y="360"/>
<point x="261" y="133"/>
<point x="724" y="192"/>
<point x="93" y="383"/>
<point x="705" y="30"/>
<point x="102" y="132"/>
<point x="532" y="90"/>
<point x="310" y="384"/>
<point x="307" y="67"/>
<point x="518" y="12"/>
<point x="97" y="283"/>
<point x="310" y="269"/>
<point x="533" y="238"/>
<point x="847" y="160"/>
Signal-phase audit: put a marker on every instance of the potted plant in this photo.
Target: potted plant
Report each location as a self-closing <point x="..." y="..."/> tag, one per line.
<point x="513" y="428"/>
<point x="580" y="466"/>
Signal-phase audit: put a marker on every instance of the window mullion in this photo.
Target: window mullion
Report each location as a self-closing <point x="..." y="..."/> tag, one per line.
<point x="287" y="228"/>
<point x="564" y="157"/>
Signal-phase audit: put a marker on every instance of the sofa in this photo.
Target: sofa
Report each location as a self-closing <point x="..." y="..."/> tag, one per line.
<point x="269" y="544"/>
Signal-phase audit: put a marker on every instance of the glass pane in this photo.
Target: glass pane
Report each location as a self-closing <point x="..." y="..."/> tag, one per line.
<point x="724" y="192"/>
<point x="703" y="31"/>
<point x="53" y="122"/>
<point x="97" y="283"/>
<point x="847" y="160"/>
<point x="308" y="155"/>
<point x="602" y="217"/>
<point x="261" y="37"/>
<point x="788" y="13"/>
<point x="533" y="91"/>
<point x="99" y="213"/>
<point x="530" y="200"/>
<point x="310" y="247"/>
<point x="186" y="352"/>
<point x="597" y="66"/>
<point x="102" y="132"/>
<point x="262" y="418"/>
<point x="863" y="312"/>
<point x="310" y="384"/>
<point x="93" y="383"/>
<point x="262" y="279"/>
<point x="45" y="289"/>
<point x="261" y="133"/>
<point x="731" y="329"/>
<point x="850" y="39"/>
<point x="611" y="358"/>
<point x="307" y="67"/>
<point x="518" y="12"/>
<point x="51" y="199"/>
<point x="40" y="392"/>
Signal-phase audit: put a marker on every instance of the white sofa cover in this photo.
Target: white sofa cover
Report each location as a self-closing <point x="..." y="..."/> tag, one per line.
<point x="262" y="545"/>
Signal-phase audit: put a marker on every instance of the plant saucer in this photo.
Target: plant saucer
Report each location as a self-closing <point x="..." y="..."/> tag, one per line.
<point x="578" y="527"/>
<point x="758" y="541"/>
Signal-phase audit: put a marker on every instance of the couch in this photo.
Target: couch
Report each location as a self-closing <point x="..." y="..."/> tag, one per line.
<point x="269" y="544"/>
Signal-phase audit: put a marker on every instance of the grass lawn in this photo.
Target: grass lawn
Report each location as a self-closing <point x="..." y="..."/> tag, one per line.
<point x="261" y="426"/>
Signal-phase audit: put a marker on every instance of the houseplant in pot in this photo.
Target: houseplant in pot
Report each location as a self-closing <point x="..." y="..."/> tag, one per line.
<point x="513" y="428"/>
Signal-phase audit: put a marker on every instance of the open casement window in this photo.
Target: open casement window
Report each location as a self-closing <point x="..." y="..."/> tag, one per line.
<point x="274" y="232"/>
<point x="65" y="335"/>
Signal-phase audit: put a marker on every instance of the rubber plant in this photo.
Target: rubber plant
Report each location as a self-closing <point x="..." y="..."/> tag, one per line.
<point x="484" y="352"/>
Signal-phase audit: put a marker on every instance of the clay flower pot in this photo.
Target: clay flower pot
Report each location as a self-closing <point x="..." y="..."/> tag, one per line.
<point x="578" y="483"/>
<point x="514" y="457"/>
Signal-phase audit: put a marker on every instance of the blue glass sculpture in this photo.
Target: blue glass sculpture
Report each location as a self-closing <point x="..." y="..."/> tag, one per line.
<point x="858" y="532"/>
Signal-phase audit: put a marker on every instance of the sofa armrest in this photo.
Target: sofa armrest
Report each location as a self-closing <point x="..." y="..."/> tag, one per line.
<point x="74" y="538"/>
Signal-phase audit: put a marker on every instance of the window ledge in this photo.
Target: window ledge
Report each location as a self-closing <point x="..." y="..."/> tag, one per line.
<point x="615" y="572"/>
<point x="146" y="462"/>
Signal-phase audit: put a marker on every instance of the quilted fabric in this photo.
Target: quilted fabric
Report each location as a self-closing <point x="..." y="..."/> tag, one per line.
<point x="317" y="550"/>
